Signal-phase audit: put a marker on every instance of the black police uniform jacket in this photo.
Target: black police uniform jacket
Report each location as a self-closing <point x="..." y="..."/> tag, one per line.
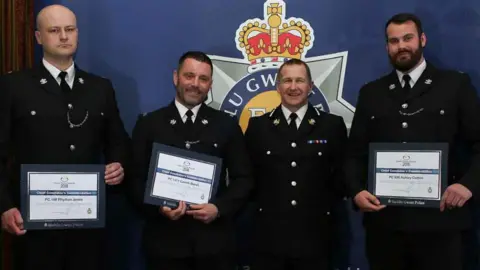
<point x="442" y="107"/>
<point x="34" y="127"/>
<point x="216" y="134"/>
<point x="298" y="179"/>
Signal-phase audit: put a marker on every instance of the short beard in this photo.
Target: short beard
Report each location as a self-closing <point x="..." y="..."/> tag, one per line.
<point x="404" y="66"/>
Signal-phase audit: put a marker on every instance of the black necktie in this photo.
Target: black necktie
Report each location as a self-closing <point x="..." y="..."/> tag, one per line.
<point x="406" y="87"/>
<point x="189" y="131"/>
<point x="63" y="82"/>
<point x="189" y="121"/>
<point x="293" y="123"/>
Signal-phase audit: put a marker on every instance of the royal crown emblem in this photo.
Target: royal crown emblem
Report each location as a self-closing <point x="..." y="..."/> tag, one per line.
<point x="268" y="43"/>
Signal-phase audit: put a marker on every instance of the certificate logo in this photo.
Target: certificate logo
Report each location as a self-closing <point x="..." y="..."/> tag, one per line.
<point x="246" y="87"/>
<point x="186" y="167"/>
<point x="406" y="161"/>
<point x="64" y="182"/>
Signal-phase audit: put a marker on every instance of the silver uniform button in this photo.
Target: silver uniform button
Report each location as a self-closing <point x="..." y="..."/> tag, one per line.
<point x="215" y="145"/>
<point x="294" y="164"/>
<point x="294" y="145"/>
<point x="373" y="117"/>
<point x="442" y="112"/>
<point x="404" y="105"/>
<point x="260" y="209"/>
<point x="187" y="145"/>
<point x="294" y="183"/>
<point x="72" y="147"/>
<point x="328" y="213"/>
<point x="70" y="106"/>
<point x="404" y="124"/>
<point x="320" y="153"/>
<point x="33" y="112"/>
<point x="101" y="113"/>
<point x="294" y="202"/>
<point x="268" y="152"/>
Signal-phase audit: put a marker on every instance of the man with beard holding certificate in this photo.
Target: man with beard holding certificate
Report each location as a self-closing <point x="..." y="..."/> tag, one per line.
<point x="200" y="236"/>
<point x="416" y="103"/>
<point x="297" y="152"/>
<point x="57" y="114"/>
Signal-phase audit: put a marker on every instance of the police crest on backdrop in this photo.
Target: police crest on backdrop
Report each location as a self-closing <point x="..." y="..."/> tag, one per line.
<point x="245" y="87"/>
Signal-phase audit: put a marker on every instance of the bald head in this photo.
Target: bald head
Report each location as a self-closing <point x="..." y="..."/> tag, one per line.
<point x="57" y="33"/>
<point x="54" y="13"/>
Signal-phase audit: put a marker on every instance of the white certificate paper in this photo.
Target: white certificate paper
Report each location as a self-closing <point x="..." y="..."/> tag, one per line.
<point x="409" y="174"/>
<point x="63" y="196"/>
<point x="183" y="179"/>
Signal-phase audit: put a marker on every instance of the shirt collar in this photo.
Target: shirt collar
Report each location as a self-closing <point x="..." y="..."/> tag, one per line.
<point x="182" y="110"/>
<point x="414" y="74"/>
<point x="55" y="71"/>
<point x="300" y="112"/>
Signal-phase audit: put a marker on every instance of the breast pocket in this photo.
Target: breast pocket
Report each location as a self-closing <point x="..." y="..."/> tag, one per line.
<point x="315" y="149"/>
<point x="442" y="120"/>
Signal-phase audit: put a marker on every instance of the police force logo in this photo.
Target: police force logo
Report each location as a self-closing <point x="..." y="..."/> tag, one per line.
<point x="246" y="87"/>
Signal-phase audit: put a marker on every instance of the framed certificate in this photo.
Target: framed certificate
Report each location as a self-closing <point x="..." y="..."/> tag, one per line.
<point x="408" y="174"/>
<point x="62" y="196"/>
<point x="181" y="175"/>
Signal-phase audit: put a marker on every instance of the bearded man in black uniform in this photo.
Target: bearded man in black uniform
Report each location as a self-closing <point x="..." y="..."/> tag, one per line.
<point x="57" y="113"/>
<point x="417" y="103"/>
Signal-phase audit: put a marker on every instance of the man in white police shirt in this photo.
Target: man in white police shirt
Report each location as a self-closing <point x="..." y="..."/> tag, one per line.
<point x="57" y="113"/>
<point x="416" y="103"/>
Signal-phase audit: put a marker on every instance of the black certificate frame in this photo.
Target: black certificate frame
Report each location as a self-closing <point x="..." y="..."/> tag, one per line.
<point x="157" y="149"/>
<point x="441" y="148"/>
<point x="62" y="169"/>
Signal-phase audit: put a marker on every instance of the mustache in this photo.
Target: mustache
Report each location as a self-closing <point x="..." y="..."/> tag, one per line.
<point x="403" y="51"/>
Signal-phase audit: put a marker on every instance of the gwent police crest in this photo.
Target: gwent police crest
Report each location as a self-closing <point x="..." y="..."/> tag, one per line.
<point x="246" y="87"/>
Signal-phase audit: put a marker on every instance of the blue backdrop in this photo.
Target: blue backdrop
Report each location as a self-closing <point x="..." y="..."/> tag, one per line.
<point x="137" y="43"/>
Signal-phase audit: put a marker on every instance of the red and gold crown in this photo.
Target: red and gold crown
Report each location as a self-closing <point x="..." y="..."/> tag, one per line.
<point x="268" y="43"/>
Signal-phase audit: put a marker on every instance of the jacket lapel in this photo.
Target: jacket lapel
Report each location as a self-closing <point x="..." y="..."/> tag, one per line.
<point x="394" y="87"/>
<point x="174" y="120"/>
<point x="424" y="83"/>
<point x="202" y="122"/>
<point x="80" y="81"/>
<point x="278" y="123"/>
<point x="309" y="121"/>
<point x="45" y="80"/>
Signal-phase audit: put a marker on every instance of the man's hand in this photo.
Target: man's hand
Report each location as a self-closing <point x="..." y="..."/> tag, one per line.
<point x="12" y="222"/>
<point x="367" y="202"/>
<point x="203" y="212"/>
<point x="176" y="213"/>
<point x="114" y="174"/>
<point x="456" y="195"/>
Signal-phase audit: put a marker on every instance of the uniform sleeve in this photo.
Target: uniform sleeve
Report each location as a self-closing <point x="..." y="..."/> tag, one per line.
<point x="117" y="139"/>
<point x="356" y="160"/>
<point x="6" y="201"/>
<point x="469" y="109"/>
<point x="141" y="149"/>
<point x="239" y="174"/>
<point x="338" y="159"/>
